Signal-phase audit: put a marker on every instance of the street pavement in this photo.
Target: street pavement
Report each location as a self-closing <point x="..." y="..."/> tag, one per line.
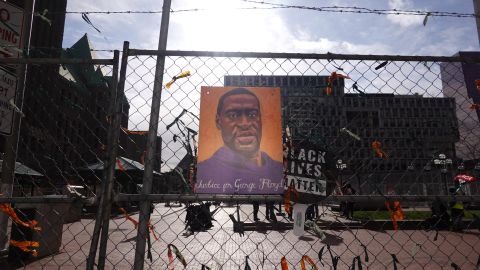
<point x="222" y="248"/>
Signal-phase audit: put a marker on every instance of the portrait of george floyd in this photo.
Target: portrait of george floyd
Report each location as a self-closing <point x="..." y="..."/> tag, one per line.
<point x="240" y="141"/>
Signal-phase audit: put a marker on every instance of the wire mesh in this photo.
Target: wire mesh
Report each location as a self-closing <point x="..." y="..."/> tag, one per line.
<point x="64" y="115"/>
<point x="413" y="107"/>
<point x="420" y="109"/>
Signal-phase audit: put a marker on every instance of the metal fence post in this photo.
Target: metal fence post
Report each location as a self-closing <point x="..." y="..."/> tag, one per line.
<point x="114" y="134"/>
<point x="103" y="213"/>
<point x="152" y="139"/>
<point x="476" y="7"/>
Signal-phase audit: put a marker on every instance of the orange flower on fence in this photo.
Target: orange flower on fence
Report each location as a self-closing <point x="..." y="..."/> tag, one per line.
<point x="7" y="209"/>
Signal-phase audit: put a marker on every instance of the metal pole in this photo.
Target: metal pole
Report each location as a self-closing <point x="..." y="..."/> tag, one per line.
<point x="340" y="176"/>
<point x="476" y="7"/>
<point x="11" y="142"/>
<point x="98" y="227"/>
<point x="359" y="184"/>
<point x="144" y="214"/>
<point x="104" y="207"/>
<point x="114" y="134"/>
<point x="444" y="172"/>
<point x="445" y="185"/>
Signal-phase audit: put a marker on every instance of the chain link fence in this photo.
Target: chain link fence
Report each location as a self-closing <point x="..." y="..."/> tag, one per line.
<point x="62" y="110"/>
<point x="397" y="212"/>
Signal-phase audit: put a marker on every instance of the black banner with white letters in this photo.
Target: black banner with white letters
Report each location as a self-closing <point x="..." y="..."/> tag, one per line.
<point x="309" y="169"/>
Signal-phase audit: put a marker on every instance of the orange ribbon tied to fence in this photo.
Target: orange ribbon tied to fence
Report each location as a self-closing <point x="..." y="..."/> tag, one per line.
<point x="134" y="132"/>
<point x="396" y="213"/>
<point x="135" y="223"/>
<point x="175" y="78"/>
<point x="475" y="106"/>
<point x="7" y="209"/>
<point x="333" y="77"/>
<point x="310" y="261"/>
<point x="177" y="253"/>
<point x="152" y="230"/>
<point x="376" y="145"/>
<point x="287" y="205"/>
<point x="284" y="263"/>
<point x="128" y="217"/>
<point x="26" y="246"/>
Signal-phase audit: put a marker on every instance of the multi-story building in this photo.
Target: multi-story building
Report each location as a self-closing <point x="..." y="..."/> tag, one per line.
<point x="66" y="107"/>
<point x="412" y="130"/>
<point x="458" y="81"/>
<point x="65" y="124"/>
<point x="45" y="41"/>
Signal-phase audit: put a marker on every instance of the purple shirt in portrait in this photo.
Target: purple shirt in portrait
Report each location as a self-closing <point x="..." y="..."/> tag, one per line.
<point x="227" y="172"/>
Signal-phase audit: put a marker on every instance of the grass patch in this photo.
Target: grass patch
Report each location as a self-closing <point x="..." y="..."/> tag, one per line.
<point x="409" y="215"/>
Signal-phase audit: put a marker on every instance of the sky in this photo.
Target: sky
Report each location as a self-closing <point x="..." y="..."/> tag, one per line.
<point x="220" y="25"/>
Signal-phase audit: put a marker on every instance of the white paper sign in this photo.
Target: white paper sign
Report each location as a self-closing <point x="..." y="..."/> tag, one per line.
<point x="8" y="88"/>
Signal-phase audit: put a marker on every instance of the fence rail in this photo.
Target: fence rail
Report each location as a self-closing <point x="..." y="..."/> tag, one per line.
<point x="158" y="198"/>
<point x="325" y="56"/>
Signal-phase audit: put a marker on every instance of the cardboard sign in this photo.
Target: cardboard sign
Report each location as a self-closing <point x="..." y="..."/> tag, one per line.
<point x="8" y="89"/>
<point x="306" y="167"/>
<point x="307" y="185"/>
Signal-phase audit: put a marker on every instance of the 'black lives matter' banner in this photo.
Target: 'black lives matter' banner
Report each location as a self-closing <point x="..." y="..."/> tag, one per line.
<point x="307" y="167"/>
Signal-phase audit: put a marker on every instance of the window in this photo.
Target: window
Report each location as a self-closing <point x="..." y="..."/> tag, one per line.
<point x="355" y="103"/>
<point x="270" y="81"/>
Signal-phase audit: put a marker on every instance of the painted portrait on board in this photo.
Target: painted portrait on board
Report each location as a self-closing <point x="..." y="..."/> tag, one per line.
<point x="240" y="143"/>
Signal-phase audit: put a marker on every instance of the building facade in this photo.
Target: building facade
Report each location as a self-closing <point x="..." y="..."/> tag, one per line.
<point x="412" y="130"/>
<point x="66" y="118"/>
<point x="458" y="81"/>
